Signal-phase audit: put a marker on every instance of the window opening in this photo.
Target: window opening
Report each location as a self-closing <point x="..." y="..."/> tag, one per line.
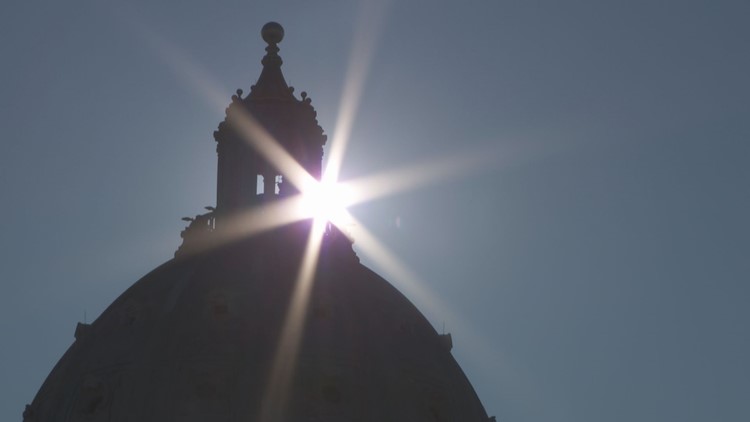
<point x="259" y="184"/>
<point x="278" y="184"/>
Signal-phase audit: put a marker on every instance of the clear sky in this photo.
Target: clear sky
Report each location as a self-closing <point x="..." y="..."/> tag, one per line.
<point x="594" y="266"/>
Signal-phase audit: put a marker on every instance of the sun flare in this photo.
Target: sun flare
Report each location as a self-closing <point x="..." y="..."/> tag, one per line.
<point x="327" y="201"/>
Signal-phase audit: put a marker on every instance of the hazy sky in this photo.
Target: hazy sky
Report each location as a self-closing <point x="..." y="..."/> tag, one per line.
<point x="594" y="267"/>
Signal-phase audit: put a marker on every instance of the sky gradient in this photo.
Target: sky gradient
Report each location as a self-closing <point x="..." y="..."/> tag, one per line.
<point x="594" y="265"/>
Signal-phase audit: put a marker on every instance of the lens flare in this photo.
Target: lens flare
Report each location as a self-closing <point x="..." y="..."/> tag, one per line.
<point x="369" y="24"/>
<point x="284" y="364"/>
<point x="326" y="201"/>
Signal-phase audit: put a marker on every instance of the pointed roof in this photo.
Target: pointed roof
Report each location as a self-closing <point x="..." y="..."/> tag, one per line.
<point x="271" y="84"/>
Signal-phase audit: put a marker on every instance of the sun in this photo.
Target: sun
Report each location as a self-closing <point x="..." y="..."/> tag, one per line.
<point x="327" y="202"/>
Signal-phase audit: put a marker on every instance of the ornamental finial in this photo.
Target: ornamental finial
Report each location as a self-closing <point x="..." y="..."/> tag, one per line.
<point x="272" y="33"/>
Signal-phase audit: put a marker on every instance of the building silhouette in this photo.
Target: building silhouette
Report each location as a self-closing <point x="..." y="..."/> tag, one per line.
<point x="219" y="333"/>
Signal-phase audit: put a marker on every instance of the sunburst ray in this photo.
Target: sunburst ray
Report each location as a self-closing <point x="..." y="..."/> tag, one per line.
<point x="285" y="360"/>
<point x="369" y="24"/>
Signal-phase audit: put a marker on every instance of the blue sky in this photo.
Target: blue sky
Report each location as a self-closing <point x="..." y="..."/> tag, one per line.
<point x="593" y="267"/>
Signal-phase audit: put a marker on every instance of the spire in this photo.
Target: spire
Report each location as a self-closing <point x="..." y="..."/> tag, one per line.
<point x="271" y="83"/>
<point x="245" y="176"/>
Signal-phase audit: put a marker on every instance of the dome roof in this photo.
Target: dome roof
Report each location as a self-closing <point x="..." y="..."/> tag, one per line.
<point x="206" y="337"/>
<point x="195" y="340"/>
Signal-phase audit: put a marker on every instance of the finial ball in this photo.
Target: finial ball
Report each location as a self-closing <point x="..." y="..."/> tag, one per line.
<point x="272" y="33"/>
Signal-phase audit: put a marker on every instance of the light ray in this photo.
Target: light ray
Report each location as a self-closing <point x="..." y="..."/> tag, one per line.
<point x="186" y="68"/>
<point x="410" y="177"/>
<point x="254" y="133"/>
<point x="282" y="371"/>
<point x="479" y="350"/>
<point x="198" y="79"/>
<point x="407" y="280"/>
<point x="255" y="220"/>
<point x="369" y="23"/>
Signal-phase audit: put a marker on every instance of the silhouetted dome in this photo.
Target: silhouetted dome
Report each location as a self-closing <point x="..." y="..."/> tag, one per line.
<point x="197" y="338"/>
<point x="194" y="340"/>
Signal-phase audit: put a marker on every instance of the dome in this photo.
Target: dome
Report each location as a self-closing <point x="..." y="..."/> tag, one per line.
<point x="226" y="331"/>
<point x="195" y="339"/>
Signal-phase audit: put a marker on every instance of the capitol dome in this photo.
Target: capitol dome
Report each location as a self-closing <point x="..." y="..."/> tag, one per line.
<point x="202" y="337"/>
